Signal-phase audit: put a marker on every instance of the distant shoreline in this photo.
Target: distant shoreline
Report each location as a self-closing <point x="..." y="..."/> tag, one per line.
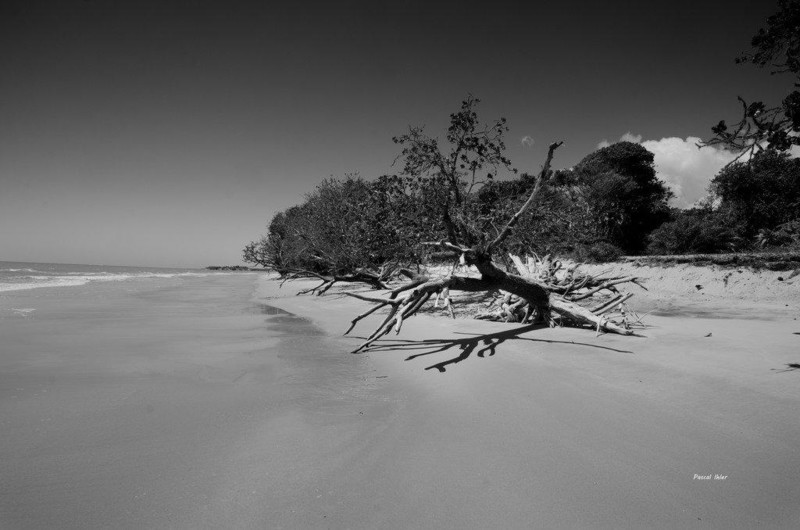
<point x="234" y="268"/>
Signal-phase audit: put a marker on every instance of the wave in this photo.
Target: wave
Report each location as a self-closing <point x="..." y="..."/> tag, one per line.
<point x="73" y="280"/>
<point x="60" y="282"/>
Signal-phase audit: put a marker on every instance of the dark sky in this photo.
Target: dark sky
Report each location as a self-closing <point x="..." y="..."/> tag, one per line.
<point x="168" y="133"/>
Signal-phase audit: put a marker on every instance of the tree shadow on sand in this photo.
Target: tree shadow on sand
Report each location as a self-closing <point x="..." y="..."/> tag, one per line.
<point x="479" y="344"/>
<point x="790" y="367"/>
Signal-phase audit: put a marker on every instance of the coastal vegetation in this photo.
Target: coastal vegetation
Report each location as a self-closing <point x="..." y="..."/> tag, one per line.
<point x="447" y="204"/>
<point x="762" y="128"/>
<point x="754" y="202"/>
<point x="450" y="204"/>
<point x="460" y="199"/>
<point x="609" y="204"/>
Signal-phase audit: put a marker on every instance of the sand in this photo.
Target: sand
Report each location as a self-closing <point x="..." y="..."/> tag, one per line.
<point x="225" y="402"/>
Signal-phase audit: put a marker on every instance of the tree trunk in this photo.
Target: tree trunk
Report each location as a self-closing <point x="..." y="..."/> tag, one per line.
<point x="537" y="295"/>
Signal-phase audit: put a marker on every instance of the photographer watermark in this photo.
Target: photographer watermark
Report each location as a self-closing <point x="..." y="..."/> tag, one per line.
<point x="710" y="476"/>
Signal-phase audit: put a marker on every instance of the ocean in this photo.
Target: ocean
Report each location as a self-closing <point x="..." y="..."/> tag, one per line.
<point x="172" y="398"/>
<point x="19" y="276"/>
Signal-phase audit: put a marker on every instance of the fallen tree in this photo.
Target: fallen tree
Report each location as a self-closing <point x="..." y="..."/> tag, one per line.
<point x="377" y="279"/>
<point x="542" y="294"/>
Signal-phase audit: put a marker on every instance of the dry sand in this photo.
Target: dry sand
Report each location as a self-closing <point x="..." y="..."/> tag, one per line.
<point x="508" y="426"/>
<point x="200" y="405"/>
<point x="726" y="291"/>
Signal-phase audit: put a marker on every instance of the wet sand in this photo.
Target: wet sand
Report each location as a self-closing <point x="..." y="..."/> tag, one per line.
<point x="204" y="404"/>
<point x="510" y="426"/>
<point x="166" y="405"/>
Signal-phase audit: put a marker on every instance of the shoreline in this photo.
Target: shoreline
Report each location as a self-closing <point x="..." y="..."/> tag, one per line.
<point x="620" y="426"/>
<point x="225" y="401"/>
<point x="171" y="403"/>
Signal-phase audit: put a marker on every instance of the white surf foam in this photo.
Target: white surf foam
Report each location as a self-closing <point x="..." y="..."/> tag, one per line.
<point x="38" y="282"/>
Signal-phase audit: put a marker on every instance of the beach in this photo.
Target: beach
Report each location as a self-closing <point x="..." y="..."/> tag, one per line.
<point x="224" y="401"/>
<point x="155" y="405"/>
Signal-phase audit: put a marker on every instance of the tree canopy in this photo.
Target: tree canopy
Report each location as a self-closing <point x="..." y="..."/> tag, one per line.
<point x="751" y="206"/>
<point x="627" y="199"/>
<point x="776" y="46"/>
<point x="759" y="195"/>
<point x="464" y="189"/>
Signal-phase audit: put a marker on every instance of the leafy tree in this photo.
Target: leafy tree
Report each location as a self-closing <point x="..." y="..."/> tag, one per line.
<point x="556" y="224"/>
<point x="445" y="199"/>
<point x="775" y="128"/>
<point x="255" y="252"/>
<point x="785" y="235"/>
<point x="285" y="246"/>
<point x="621" y="195"/>
<point x="693" y="231"/>
<point x="274" y="250"/>
<point x="760" y="195"/>
<point x="471" y="156"/>
<point x="348" y="224"/>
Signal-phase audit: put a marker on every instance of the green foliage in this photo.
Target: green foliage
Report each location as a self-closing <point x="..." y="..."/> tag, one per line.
<point x="554" y="225"/>
<point x="782" y="236"/>
<point x="696" y="231"/>
<point x="611" y="200"/>
<point x="602" y="252"/>
<point x="255" y="252"/>
<point x="622" y="198"/>
<point x="776" y="46"/>
<point x="351" y="223"/>
<point x="348" y="224"/>
<point x="448" y="190"/>
<point x="471" y="156"/>
<point x="760" y="195"/>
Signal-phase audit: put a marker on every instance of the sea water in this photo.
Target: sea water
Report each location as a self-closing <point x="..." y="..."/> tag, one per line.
<point x="18" y="276"/>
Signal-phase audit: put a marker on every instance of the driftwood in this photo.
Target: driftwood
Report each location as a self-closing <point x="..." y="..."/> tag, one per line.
<point x="567" y="287"/>
<point x="376" y="279"/>
<point x="546" y="292"/>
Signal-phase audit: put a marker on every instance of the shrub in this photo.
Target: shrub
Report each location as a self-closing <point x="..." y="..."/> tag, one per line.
<point x="693" y="232"/>
<point x="783" y="235"/>
<point x="623" y="196"/>
<point x="760" y="195"/>
<point x="602" y="252"/>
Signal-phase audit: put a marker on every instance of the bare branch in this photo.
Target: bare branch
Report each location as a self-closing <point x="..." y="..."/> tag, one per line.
<point x="534" y="194"/>
<point x="445" y="245"/>
<point x="375" y="299"/>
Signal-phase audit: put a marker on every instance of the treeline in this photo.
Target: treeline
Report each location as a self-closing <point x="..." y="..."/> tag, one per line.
<point x="750" y="206"/>
<point x="604" y="207"/>
<point x="610" y="204"/>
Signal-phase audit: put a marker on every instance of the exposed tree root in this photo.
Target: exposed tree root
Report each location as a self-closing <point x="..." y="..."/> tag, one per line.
<point x="376" y="279"/>
<point x="542" y="291"/>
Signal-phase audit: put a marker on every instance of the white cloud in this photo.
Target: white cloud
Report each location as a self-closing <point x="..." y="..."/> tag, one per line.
<point x="527" y="141"/>
<point x="630" y="137"/>
<point x="684" y="167"/>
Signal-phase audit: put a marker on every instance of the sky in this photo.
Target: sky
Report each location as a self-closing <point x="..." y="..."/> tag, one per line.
<point x="167" y="133"/>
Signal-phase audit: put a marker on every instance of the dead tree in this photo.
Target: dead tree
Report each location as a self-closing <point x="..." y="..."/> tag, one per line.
<point x="539" y="297"/>
<point x="566" y="284"/>
<point x="376" y="279"/>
